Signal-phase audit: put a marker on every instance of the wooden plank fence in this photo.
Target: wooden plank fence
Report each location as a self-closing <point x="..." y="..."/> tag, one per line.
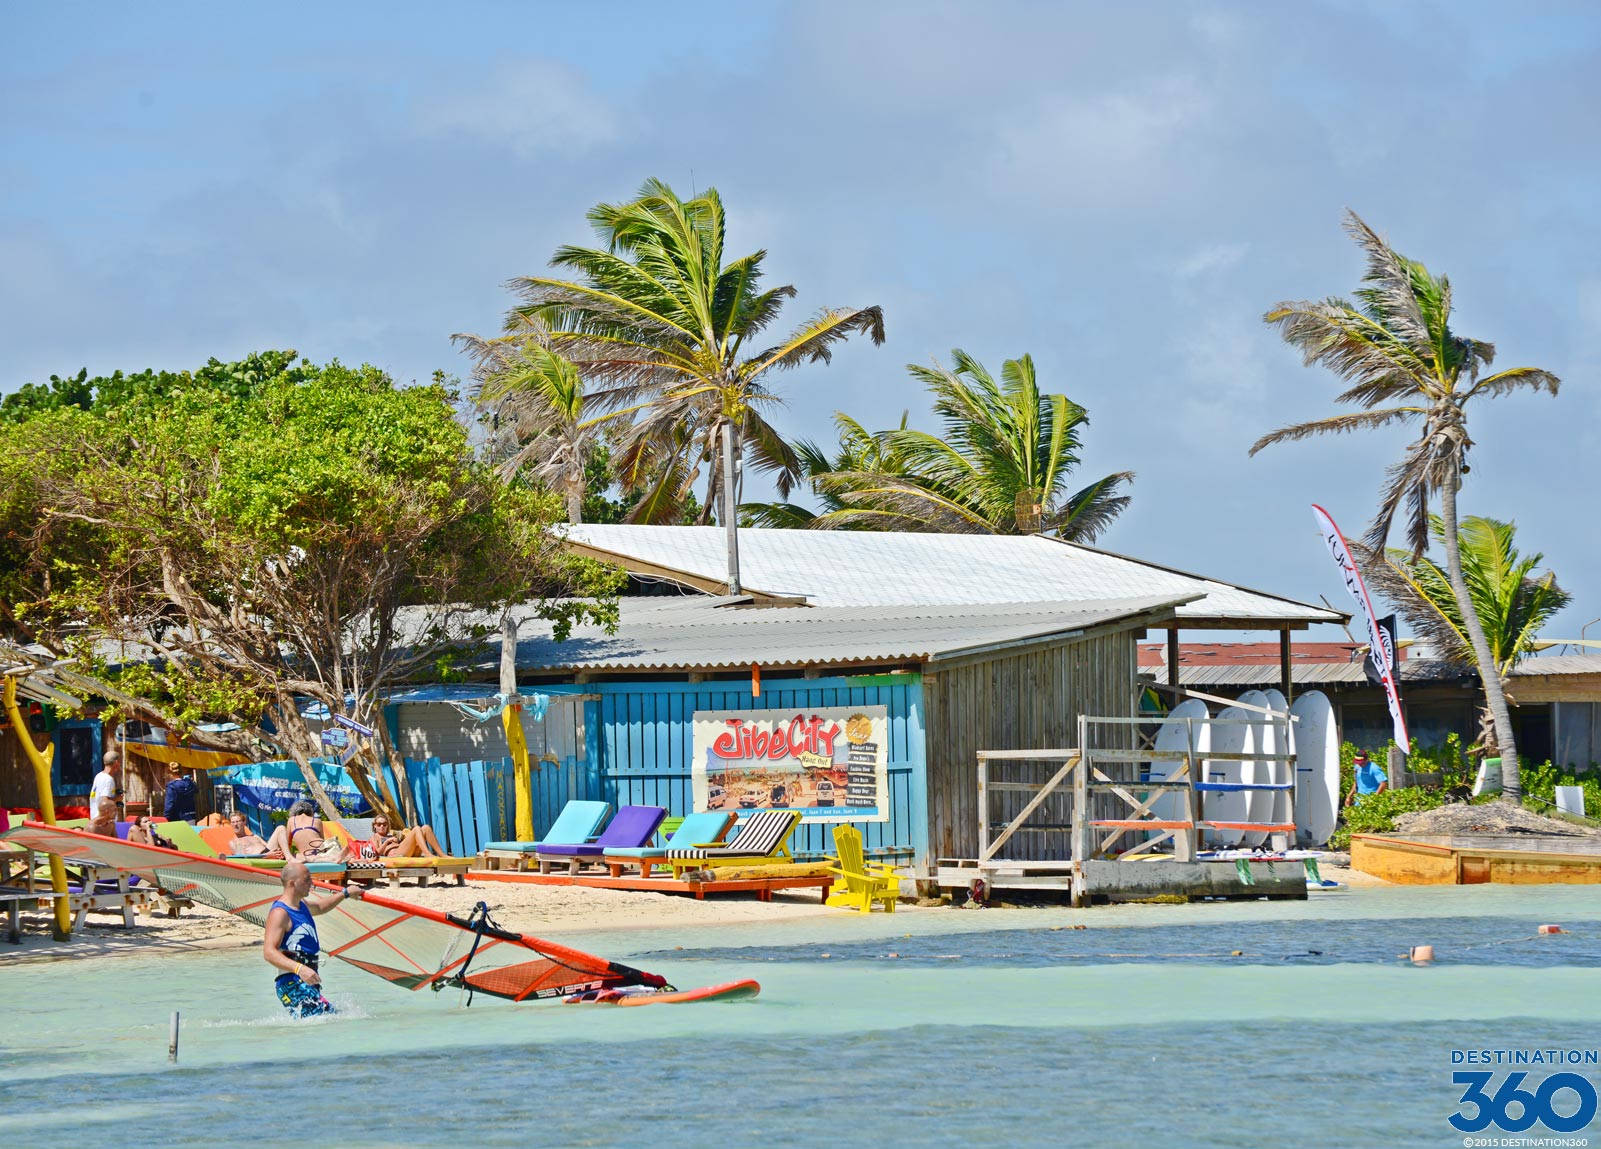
<point x="470" y="803"/>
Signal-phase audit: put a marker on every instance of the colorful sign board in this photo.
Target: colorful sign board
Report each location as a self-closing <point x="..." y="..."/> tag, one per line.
<point x="830" y="763"/>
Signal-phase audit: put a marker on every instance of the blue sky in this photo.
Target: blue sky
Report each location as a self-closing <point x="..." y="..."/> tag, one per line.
<point x="1120" y="190"/>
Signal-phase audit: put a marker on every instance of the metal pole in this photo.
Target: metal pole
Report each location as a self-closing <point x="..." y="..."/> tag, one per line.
<point x="730" y="515"/>
<point x="172" y="1038"/>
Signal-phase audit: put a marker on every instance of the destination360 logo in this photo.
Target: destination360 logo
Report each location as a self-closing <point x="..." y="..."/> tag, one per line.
<point x="1520" y="1090"/>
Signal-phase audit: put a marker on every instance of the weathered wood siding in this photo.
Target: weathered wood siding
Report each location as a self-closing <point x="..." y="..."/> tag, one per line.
<point x="1030" y="700"/>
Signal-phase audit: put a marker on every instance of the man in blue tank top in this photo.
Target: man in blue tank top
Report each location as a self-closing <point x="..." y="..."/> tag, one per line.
<point x="291" y="942"/>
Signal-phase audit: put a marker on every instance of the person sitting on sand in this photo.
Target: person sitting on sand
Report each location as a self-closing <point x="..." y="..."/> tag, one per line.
<point x="246" y="842"/>
<point x="417" y="842"/>
<point x="301" y="836"/>
<point x="1370" y="778"/>
<point x="290" y="943"/>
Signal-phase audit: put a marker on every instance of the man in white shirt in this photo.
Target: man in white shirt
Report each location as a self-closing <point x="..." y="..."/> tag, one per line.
<point x="104" y="787"/>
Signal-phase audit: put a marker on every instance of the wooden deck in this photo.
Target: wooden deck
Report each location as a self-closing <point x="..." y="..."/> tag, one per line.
<point x="1131" y="881"/>
<point x="762" y="887"/>
<point x="1425" y="860"/>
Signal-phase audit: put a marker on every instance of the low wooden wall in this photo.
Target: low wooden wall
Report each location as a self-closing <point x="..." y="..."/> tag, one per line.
<point x="1429" y="864"/>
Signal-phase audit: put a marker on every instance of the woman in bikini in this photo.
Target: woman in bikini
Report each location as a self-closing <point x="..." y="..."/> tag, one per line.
<point x="417" y="842"/>
<point x="301" y="836"/>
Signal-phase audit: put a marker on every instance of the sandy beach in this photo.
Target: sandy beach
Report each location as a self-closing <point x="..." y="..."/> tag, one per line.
<point x="539" y="910"/>
<point x="545" y="911"/>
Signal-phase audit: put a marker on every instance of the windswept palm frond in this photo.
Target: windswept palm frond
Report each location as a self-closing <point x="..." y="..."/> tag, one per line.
<point x="1090" y="511"/>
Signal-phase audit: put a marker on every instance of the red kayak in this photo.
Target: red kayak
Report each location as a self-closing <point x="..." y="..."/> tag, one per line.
<point x="633" y="995"/>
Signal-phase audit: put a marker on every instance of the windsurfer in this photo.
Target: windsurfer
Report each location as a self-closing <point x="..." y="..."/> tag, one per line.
<point x="290" y="944"/>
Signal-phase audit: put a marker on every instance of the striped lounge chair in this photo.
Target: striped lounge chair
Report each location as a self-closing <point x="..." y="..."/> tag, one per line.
<point x="762" y="839"/>
<point x="695" y="830"/>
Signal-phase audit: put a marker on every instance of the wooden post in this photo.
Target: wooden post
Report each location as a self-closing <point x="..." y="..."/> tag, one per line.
<point x="1285" y="684"/>
<point x="1172" y="658"/>
<point x="1081" y="813"/>
<point x="983" y="806"/>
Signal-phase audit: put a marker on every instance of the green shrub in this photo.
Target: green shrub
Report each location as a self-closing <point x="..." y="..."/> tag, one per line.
<point x="1541" y="781"/>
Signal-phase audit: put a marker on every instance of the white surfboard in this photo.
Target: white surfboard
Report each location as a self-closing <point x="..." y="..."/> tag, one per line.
<point x="1283" y="805"/>
<point x="1317" y="767"/>
<point x="1229" y="736"/>
<point x="1259" y="803"/>
<point x="1173" y="734"/>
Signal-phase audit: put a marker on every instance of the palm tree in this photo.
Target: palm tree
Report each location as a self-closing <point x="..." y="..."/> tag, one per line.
<point x="542" y="396"/>
<point x="860" y="452"/>
<point x="1510" y="602"/>
<point x="661" y="328"/>
<point x="1404" y="364"/>
<point x="1001" y="465"/>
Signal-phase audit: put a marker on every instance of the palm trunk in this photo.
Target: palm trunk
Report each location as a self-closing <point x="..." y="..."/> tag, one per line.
<point x="730" y="516"/>
<point x="575" y="500"/>
<point x="1489" y="673"/>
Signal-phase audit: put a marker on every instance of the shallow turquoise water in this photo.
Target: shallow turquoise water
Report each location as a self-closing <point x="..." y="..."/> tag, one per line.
<point x="988" y="1028"/>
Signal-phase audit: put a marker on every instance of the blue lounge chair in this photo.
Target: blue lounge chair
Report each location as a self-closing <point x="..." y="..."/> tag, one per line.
<point x="632" y="827"/>
<point x="577" y="824"/>
<point x="708" y="826"/>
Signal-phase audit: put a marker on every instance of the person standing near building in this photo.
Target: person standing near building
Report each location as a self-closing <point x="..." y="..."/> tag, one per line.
<point x="180" y="800"/>
<point x="1369" y="778"/>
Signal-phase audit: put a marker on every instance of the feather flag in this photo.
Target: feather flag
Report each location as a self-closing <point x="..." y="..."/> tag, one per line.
<point x="1381" y="648"/>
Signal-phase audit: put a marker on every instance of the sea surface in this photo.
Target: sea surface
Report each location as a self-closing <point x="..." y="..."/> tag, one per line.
<point x="1236" y="1024"/>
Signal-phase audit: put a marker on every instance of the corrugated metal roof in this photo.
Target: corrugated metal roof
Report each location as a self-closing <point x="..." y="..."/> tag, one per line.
<point x="1351" y="673"/>
<point x="872" y="568"/>
<point x="1559" y="664"/>
<point x="702" y="633"/>
<point x="1304" y="674"/>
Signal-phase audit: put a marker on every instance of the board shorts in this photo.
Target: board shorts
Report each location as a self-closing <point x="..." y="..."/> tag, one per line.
<point x="301" y="998"/>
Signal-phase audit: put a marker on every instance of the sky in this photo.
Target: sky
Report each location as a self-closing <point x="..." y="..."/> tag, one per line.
<point x="1119" y="190"/>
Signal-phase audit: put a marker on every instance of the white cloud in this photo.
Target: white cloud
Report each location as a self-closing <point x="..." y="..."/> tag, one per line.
<point x="1101" y="148"/>
<point x="530" y="107"/>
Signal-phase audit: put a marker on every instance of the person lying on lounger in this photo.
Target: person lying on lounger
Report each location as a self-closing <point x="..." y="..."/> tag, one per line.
<point x="246" y="842"/>
<point x="417" y="842"/>
<point x="301" y="836"/>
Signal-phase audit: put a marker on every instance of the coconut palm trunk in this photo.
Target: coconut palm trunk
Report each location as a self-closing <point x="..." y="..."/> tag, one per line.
<point x="575" y="499"/>
<point x="1489" y="673"/>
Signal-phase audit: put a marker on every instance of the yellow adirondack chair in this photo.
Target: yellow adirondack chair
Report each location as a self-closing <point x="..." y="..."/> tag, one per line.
<point x="860" y="882"/>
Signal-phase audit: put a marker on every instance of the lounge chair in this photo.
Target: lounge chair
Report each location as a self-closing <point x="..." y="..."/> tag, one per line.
<point x="762" y="839"/>
<point x="577" y="823"/>
<point x="693" y="830"/>
<point x="631" y="828"/>
<point x="861" y="883"/>
<point x="185" y="837"/>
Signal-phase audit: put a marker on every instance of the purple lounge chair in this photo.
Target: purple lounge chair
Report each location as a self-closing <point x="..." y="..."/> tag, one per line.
<point x="632" y="827"/>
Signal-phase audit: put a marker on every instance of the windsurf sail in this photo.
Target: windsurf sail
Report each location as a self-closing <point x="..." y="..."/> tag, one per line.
<point x="410" y="946"/>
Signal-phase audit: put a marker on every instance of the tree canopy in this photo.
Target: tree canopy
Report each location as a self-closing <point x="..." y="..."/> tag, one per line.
<point x="231" y="543"/>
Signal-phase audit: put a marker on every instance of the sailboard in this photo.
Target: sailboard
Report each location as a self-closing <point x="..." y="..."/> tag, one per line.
<point x="728" y="991"/>
<point x="409" y="946"/>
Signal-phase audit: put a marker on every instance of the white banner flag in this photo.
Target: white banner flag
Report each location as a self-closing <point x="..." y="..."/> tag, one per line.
<point x="1378" y="641"/>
